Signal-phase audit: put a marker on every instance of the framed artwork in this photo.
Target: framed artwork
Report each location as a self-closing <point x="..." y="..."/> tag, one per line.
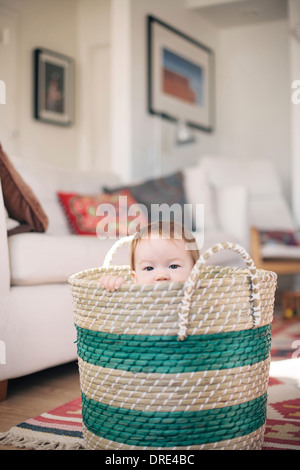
<point x="180" y="76"/>
<point x="53" y="87"/>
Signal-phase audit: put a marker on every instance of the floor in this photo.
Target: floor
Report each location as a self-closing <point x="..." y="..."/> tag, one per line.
<point x="31" y="395"/>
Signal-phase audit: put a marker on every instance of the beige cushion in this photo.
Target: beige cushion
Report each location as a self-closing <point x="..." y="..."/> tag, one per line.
<point x="257" y="175"/>
<point x="41" y="258"/>
<point x="198" y="191"/>
<point x="271" y="213"/>
<point x="37" y="258"/>
<point x="45" y="180"/>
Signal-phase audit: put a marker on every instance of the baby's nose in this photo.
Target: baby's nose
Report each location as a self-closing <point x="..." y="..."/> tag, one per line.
<point x="162" y="275"/>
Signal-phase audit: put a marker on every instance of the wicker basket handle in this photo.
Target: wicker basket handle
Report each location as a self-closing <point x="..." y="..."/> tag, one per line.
<point x="191" y="282"/>
<point x="111" y="252"/>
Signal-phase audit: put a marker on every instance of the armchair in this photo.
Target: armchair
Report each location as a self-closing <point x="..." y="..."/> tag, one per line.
<point x="287" y="262"/>
<point x="267" y="209"/>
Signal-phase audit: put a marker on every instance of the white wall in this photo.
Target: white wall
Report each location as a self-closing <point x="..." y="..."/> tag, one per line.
<point x="80" y="29"/>
<point x="93" y="79"/>
<point x="294" y="54"/>
<point x="8" y="74"/>
<point x="253" y="95"/>
<point x="146" y="127"/>
<point x="253" y="87"/>
<point x="107" y="39"/>
<point x="51" y="25"/>
<point x="120" y="89"/>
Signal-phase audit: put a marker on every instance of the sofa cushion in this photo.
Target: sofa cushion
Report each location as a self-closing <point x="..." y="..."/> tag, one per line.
<point x="224" y="257"/>
<point x="168" y="190"/>
<point x="46" y="179"/>
<point x="257" y="175"/>
<point x="267" y="206"/>
<point x="37" y="258"/>
<point x="270" y="213"/>
<point x="115" y="218"/>
<point x="19" y="199"/>
<point x="198" y="192"/>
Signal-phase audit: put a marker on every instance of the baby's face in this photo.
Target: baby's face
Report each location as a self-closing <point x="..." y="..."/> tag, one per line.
<point x="162" y="260"/>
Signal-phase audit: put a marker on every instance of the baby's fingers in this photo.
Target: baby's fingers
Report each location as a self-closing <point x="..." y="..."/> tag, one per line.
<point x="114" y="283"/>
<point x="104" y="281"/>
<point x="111" y="283"/>
<point x="107" y="281"/>
<point x="110" y="286"/>
<point x="119" y="281"/>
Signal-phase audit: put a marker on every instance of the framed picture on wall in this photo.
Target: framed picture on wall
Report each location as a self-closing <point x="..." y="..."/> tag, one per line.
<point x="53" y="87"/>
<point x="180" y="76"/>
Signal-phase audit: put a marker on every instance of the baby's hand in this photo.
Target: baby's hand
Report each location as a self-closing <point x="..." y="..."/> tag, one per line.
<point x="111" y="283"/>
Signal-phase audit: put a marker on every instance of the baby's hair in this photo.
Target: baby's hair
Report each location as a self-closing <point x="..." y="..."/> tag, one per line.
<point x="168" y="230"/>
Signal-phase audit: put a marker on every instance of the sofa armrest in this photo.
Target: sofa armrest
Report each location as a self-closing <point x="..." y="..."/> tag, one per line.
<point x="4" y="256"/>
<point x="233" y="213"/>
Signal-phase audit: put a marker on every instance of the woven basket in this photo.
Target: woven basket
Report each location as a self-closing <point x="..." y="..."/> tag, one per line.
<point x="175" y="365"/>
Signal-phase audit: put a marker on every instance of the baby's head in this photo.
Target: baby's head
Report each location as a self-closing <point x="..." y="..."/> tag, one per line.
<point x="162" y="252"/>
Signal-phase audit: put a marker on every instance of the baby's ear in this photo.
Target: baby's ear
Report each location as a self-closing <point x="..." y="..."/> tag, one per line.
<point x="133" y="275"/>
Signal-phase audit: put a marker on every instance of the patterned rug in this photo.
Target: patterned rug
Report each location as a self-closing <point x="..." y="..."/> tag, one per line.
<point x="60" y="428"/>
<point x="283" y="413"/>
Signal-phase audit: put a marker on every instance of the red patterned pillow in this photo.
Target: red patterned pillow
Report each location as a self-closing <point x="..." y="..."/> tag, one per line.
<point x="103" y="215"/>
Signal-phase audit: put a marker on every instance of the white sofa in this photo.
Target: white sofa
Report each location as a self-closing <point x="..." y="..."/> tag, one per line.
<point x="36" y="314"/>
<point x="267" y="207"/>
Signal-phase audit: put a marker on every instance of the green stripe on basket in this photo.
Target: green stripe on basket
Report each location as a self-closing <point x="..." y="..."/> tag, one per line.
<point x="165" y="354"/>
<point x="162" y="429"/>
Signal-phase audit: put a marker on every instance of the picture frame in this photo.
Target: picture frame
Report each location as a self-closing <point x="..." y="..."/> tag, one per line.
<point x="53" y="87"/>
<point x="180" y="76"/>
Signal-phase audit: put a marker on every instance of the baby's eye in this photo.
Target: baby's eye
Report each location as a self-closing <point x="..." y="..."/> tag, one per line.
<point x="174" y="266"/>
<point x="148" y="268"/>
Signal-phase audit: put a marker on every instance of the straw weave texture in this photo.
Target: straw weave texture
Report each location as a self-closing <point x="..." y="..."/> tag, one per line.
<point x="174" y="392"/>
<point x="221" y="301"/>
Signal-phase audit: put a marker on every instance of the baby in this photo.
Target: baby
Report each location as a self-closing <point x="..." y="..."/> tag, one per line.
<point x="159" y="252"/>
